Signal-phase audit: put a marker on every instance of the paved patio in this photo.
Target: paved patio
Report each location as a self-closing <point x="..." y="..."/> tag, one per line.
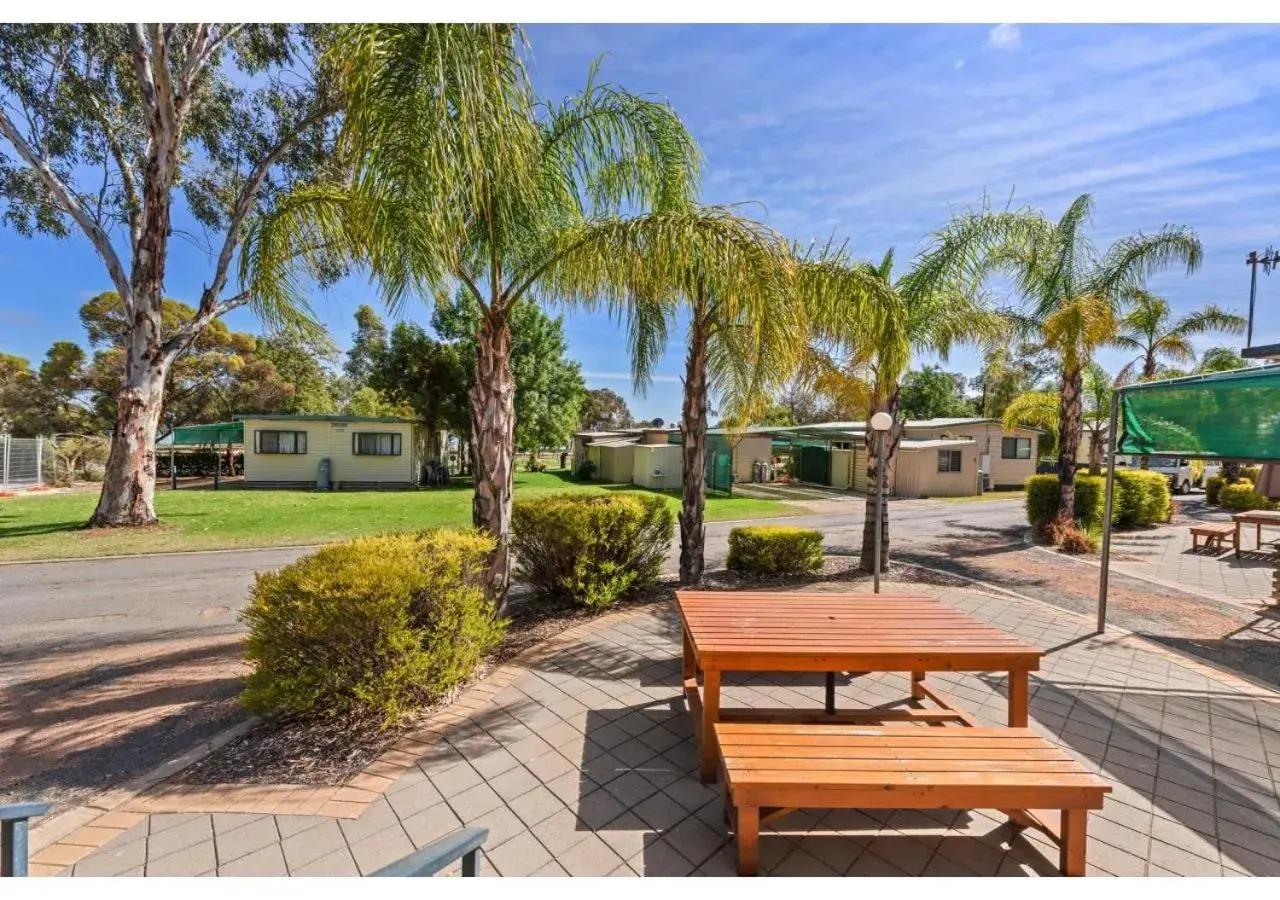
<point x="1164" y="555"/>
<point x="585" y="765"/>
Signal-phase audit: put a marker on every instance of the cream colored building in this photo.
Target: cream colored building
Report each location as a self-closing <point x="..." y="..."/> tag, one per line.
<point x="363" y="452"/>
<point x="1008" y="456"/>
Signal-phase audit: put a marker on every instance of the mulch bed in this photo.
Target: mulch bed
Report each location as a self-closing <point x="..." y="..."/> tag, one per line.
<point x="308" y="751"/>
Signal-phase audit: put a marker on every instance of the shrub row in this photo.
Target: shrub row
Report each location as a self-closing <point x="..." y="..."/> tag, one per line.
<point x="378" y="624"/>
<point x="591" y="549"/>
<point x="1141" y="498"/>
<point x="775" y="549"/>
<point x="1242" y="496"/>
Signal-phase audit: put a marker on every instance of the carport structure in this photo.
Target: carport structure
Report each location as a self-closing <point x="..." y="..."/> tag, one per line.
<point x="215" y="436"/>
<point x="1231" y="415"/>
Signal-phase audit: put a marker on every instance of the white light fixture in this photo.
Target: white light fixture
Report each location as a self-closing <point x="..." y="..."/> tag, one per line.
<point x="881" y="421"/>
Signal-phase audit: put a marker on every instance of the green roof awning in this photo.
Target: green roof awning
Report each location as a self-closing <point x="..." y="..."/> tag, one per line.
<point x="216" y="434"/>
<point x="1226" y="415"/>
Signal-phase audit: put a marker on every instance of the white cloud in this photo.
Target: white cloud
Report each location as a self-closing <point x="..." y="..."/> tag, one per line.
<point x="1004" y="37"/>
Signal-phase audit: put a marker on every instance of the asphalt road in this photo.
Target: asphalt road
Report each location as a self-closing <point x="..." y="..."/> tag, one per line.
<point x="87" y="604"/>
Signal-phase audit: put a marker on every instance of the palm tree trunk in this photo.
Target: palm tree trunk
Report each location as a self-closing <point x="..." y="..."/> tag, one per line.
<point x="693" y="454"/>
<point x="1070" y="413"/>
<point x="1095" y="452"/>
<point x="492" y="408"/>
<point x="866" y="560"/>
<point x="1148" y="372"/>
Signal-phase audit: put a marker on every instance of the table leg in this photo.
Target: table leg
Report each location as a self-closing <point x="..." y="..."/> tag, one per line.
<point x="831" y="693"/>
<point x="1019" y="699"/>
<point x="917" y="691"/>
<point x="690" y="665"/>
<point x="1235" y="540"/>
<point x="710" y="713"/>
<point x="1257" y="540"/>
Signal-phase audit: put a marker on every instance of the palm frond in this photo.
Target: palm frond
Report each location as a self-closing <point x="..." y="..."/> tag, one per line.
<point x="1132" y="260"/>
<point x="1210" y="319"/>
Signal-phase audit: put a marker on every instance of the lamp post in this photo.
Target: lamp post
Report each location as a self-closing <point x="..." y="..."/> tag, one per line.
<point x="881" y="422"/>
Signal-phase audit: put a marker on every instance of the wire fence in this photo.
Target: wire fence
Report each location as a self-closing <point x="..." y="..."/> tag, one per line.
<point x="25" y="462"/>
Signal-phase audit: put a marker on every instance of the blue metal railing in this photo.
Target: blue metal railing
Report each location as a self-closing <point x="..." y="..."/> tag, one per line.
<point x="13" y="836"/>
<point x="463" y="844"/>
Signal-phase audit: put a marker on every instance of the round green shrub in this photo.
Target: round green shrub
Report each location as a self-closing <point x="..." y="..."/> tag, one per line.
<point x="591" y="550"/>
<point x="378" y="625"/>
<point x="1042" y="499"/>
<point x="1211" y="488"/>
<point x="1242" y="497"/>
<point x="775" y="549"/>
<point x="1142" y="498"/>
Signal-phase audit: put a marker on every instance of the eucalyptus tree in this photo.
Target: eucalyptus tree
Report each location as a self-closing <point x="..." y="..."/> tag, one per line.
<point x="514" y="201"/>
<point x="1149" y="329"/>
<point x="872" y="353"/>
<point x="104" y="124"/>
<point x="1070" y="292"/>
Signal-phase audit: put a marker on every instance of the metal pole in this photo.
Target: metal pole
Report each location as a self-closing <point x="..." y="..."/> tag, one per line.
<point x="1106" y="513"/>
<point x="1253" y="293"/>
<point x="8" y="441"/>
<point x="879" y="507"/>
<point x="39" y="459"/>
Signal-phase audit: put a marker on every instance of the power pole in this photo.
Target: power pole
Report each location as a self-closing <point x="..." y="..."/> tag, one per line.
<point x="1268" y="260"/>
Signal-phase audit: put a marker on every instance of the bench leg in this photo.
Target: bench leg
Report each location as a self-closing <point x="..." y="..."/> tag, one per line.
<point x="1072" y="856"/>
<point x="747" y="827"/>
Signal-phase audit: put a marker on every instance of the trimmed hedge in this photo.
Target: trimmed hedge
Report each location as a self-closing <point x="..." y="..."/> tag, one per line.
<point x="1211" y="488"/>
<point x="775" y="549"/>
<point x="1242" y="496"/>
<point x="1250" y="474"/>
<point x="1141" y="498"/>
<point x="378" y="625"/>
<point x="1043" y="493"/>
<point x="593" y="549"/>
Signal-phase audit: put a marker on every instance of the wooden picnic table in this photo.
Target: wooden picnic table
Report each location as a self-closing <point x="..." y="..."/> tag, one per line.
<point x="1257" y="517"/>
<point x="758" y="631"/>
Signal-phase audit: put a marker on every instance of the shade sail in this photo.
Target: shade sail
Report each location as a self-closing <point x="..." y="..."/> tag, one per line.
<point x="1227" y="415"/>
<point x="216" y="434"/>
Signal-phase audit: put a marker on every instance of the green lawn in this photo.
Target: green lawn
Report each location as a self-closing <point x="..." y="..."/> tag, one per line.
<point x="50" y="526"/>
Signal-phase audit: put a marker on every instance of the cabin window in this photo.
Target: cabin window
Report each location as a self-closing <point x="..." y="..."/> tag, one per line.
<point x="375" y="443"/>
<point x="289" y="442"/>
<point x="948" y="460"/>
<point x="1015" y="448"/>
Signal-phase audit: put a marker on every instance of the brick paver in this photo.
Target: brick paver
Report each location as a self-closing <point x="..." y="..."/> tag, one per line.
<point x="584" y="764"/>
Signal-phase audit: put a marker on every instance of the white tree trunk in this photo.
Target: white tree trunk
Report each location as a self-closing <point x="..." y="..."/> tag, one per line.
<point x="129" y="485"/>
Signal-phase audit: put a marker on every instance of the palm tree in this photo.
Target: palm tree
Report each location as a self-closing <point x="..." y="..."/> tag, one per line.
<point x="1220" y="359"/>
<point x="871" y="356"/>
<point x="1070" y="293"/>
<point x="1035" y="409"/>
<point x="1149" y="329"/>
<point x="480" y="187"/>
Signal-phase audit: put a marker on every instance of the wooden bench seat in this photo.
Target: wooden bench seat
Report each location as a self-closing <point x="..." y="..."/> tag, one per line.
<point x="772" y="769"/>
<point x="1214" y="533"/>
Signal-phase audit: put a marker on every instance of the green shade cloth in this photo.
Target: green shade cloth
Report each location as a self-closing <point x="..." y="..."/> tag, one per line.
<point x="216" y="434"/>
<point x="1227" y="415"/>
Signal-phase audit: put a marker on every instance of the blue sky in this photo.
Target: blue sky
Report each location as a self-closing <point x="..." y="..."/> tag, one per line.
<point x="875" y="134"/>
